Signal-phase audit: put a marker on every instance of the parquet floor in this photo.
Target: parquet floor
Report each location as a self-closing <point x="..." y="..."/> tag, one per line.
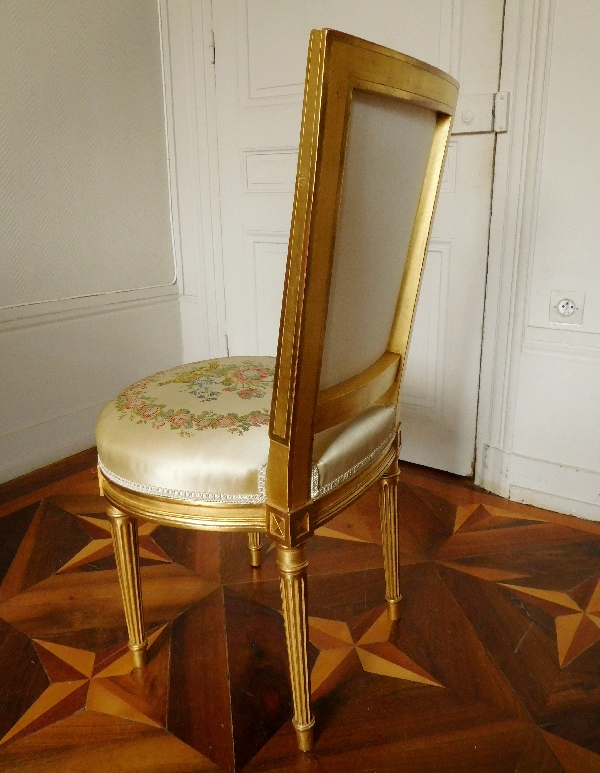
<point x="494" y="666"/>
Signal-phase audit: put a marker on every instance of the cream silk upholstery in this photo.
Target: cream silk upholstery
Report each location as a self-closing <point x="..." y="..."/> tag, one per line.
<point x="342" y="451"/>
<point x="200" y="432"/>
<point x="386" y="156"/>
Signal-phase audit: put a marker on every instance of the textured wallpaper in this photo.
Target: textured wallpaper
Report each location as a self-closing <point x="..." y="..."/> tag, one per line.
<point x="84" y="203"/>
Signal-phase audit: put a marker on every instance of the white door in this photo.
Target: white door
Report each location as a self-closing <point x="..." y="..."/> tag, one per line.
<point x="260" y="63"/>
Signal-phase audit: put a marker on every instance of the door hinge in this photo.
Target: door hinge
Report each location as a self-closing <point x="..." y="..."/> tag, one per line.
<point x="501" y="111"/>
<point x="211" y="47"/>
<point x="481" y="113"/>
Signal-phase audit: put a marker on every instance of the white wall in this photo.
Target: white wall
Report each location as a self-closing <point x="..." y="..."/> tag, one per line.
<point x="540" y="424"/>
<point x="88" y="299"/>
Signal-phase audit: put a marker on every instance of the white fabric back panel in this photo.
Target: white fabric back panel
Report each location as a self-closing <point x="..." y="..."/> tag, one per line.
<point x="84" y="202"/>
<point x="386" y="156"/>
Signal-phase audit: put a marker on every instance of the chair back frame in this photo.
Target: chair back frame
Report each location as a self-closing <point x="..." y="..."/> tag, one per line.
<point x="337" y="65"/>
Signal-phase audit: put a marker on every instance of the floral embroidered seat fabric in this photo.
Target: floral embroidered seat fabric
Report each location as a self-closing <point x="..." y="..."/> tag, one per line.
<point x="199" y="432"/>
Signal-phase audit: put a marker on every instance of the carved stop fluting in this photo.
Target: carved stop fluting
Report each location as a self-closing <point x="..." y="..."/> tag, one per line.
<point x="292" y="565"/>
<point x="255" y="547"/>
<point x="388" y="507"/>
<point x="125" y="540"/>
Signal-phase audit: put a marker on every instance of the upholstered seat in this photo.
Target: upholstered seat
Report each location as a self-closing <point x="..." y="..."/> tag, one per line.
<point x="199" y="432"/>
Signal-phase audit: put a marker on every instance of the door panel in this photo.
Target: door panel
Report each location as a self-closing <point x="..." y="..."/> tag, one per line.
<point x="273" y="35"/>
<point x="260" y="63"/>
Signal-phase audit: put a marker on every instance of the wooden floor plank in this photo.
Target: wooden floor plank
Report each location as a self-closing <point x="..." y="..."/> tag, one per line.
<point x="494" y="665"/>
<point x="573" y="758"/>
<point x="199" y="701"/>
<point x="496" y="748"/>
<point x="538" y="757"/>
<point x="57" y="472"/>
<point x="89" y="742"/>
<point x="85" y="482"/>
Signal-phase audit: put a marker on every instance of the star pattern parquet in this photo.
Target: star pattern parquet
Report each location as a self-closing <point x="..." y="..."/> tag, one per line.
<point x="105" y="681"/>
<point x="494" y="665"/>
<point x="363" y="644"/>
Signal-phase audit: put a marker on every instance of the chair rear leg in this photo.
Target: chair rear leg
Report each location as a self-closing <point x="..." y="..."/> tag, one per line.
<point x="388" y="508"/>
<point x="125" y="540"/>
<point x="255" y="548"/>
<point x="292" y="564"/>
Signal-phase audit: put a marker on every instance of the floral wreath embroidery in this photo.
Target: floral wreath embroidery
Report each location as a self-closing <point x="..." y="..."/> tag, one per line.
<point x="248" y="380"/>
<point x="205" y="381"/>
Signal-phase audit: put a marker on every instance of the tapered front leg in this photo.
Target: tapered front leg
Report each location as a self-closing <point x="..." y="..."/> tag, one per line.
<point x="292" y="565"/>
<point x="388" y="507"/>
<point x="255" y="547"/>
<point x="125" y="540"/>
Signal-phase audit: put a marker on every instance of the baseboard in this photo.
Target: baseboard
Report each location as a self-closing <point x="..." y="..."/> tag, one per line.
<point x="39" y="445"/>
<point x="556" y="503"/>
<point x="557" y="487"/>
<point x="25" y="484"/>
<point x="492" y="474"/>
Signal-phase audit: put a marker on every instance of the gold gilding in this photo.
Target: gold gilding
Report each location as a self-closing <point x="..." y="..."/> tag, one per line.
<point x="337" y="64"/>
<point x="125" y="540"/>
<point x="255" y="548"/>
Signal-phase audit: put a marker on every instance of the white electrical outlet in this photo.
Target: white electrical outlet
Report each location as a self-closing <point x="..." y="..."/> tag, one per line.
<point x="566" y="307"/>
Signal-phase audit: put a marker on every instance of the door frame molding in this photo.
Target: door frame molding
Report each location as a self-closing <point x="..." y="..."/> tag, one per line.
<point x="191" y="117"/>
<point x="526" y="49"/>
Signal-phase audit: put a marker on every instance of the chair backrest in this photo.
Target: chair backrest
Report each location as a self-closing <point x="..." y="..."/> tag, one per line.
<point x="387" y="151"/>
<point x="375" y="128"/>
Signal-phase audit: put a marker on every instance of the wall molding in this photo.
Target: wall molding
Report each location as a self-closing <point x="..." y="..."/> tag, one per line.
<point x="525" y="67"/>
<point x="47" y="312"/>
<point x="543" y="483"/>
<point x="576" y="346"/>
<point x="86" y="184"/>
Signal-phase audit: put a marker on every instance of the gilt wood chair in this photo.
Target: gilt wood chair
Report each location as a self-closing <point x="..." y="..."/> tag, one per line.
<point x="189" y="447"/>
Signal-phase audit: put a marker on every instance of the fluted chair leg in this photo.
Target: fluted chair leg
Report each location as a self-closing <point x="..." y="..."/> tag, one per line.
<point x="125" y="540"/>
<point x="255" y="548"/>
<point x="292" y="565"/>
<point x="388" y="507"/>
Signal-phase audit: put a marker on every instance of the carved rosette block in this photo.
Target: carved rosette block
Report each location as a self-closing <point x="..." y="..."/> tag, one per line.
<point x="388" y="507"/>
<point x="255" y="547"/>
<point x="292" y="565"/>
<point x="125" y="540"/>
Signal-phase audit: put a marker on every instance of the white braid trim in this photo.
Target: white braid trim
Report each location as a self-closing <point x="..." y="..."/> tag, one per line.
<point x="245" y="499"/>
<point x="193" y="496"/>
<point x="317" y="492"/>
